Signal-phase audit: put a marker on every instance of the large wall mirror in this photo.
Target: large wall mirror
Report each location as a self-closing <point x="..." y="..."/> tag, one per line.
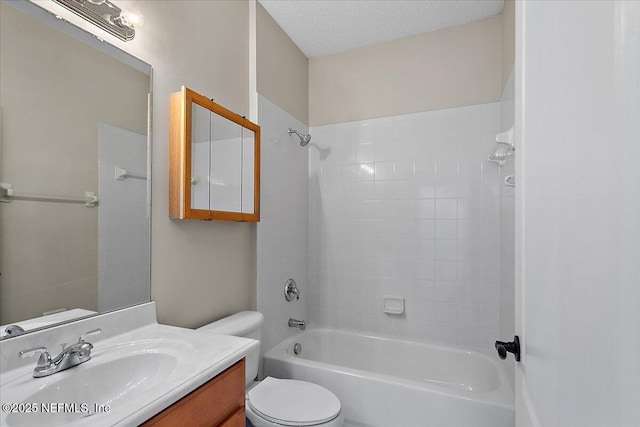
<point x="75" y="172"/>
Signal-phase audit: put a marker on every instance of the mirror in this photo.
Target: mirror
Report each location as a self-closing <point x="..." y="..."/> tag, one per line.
<point x="74" y="168"/>
<point x="224" y="163"/>
<point x="248" y="190"/>
<point x="214" y="161"/>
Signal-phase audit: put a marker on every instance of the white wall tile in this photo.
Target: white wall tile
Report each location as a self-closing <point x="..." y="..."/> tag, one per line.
<point x="446" y="270"/>
<point x="447" y="208"/>
<point x="365" y="152"/>
<point x="403" y="169"/>
<point x="446" y="292"/>
<point x="383" y="171"/>
<point x="445" y="312"/>
<point x="425" y="208"/>
<point x="403" y="209"/>
<point x="425" y="249"/>
<point x="447" y="250"/>
<point x="470" y="229"/>
<point x="469" y="315"/>
<point x="446" y="229"/>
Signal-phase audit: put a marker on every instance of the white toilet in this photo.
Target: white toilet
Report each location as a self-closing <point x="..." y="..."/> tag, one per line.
<point x="277" y="402"/>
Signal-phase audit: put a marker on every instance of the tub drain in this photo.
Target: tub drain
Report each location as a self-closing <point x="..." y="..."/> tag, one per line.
<point x="297" y="348"/>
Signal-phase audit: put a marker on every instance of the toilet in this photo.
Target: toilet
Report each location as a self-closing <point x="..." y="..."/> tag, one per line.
<point x="275" y="402"/>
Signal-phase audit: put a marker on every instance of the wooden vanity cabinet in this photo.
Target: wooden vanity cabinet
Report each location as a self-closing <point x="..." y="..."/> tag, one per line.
<point x="218" y="403"/>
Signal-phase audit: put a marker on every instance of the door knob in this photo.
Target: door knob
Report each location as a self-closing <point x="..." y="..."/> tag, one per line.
<point x="509" y="347"/>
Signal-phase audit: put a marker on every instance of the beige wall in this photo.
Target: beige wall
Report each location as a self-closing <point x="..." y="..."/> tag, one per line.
<point x="282" y="69"/>
<point x="442" y="69"/>
<point x="52" y="83"/>
<point x="508" y="39"/>
<point x="200" y="271"/>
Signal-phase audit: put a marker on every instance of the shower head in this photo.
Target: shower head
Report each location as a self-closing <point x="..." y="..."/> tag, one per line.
<point x="304" y="138"/>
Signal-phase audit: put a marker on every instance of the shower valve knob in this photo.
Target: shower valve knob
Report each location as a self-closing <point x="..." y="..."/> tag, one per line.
<point x="509" y="347"/>
<point x="291" y="291"/>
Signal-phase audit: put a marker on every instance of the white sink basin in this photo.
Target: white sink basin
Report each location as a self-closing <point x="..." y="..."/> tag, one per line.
<point x="96" y="388"/>
<point x="129" y="378"/>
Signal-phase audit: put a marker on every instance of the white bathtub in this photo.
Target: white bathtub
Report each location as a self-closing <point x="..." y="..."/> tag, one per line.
<point x="385" y="382"/>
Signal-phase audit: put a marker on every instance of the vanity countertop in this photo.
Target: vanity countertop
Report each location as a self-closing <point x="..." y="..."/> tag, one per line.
<point x="136" y="374"/>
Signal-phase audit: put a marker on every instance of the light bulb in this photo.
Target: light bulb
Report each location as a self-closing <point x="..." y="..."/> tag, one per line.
<point x="131" y="18"/>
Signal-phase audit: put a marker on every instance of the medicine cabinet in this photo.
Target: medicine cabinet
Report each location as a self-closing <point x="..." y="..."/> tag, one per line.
<point x="214" y="161"/>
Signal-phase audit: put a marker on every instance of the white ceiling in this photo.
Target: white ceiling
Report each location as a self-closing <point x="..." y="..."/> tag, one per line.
<point x="324" y="27"/>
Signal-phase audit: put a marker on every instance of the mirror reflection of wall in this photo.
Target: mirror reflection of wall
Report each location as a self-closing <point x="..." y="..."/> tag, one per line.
<point x="201" y="149"/>
<point x="71" y="114"/>
<point x="248" y="164"/>
<point x="225" y="165"/>
<point x="222" y="164"/>
<point x="123" y="232"/>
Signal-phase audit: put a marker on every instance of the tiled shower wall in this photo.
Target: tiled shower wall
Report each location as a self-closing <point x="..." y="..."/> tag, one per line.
<point x="407" y="206"/>
<point x="282" y="244"/>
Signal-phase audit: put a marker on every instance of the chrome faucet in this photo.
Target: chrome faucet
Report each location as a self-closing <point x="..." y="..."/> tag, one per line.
<point x="293" y="323"/>
<point x="69" y="357"/>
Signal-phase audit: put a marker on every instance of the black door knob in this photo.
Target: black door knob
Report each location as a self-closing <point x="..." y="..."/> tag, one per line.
<point x="502" y="352"/>
<point x="509" y="347"/>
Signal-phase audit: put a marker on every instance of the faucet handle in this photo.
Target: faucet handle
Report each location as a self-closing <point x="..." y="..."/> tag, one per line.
<point x="45" y="357"/>
<point x="91" y="332"/>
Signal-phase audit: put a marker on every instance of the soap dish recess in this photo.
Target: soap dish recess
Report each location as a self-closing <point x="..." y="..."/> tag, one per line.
<point x="393" y="304"/>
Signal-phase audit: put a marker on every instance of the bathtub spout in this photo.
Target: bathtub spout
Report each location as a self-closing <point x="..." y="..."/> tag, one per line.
<point x="293" y="323"/>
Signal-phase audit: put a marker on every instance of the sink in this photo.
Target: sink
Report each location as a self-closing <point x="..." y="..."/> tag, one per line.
<point x="99" y="388"/>
<point x="130" y="378"/>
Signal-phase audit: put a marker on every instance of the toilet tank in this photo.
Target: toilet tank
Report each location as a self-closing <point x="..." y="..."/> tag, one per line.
<point x="247" y="324"/>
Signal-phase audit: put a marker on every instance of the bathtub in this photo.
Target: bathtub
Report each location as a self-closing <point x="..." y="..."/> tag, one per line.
<point x="386" y="382"/>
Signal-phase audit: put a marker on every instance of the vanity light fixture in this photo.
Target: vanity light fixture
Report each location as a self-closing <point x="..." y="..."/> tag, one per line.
<point x="106" y="16"/>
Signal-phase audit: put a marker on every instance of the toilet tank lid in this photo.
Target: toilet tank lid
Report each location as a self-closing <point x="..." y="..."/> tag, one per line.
<point x="238" y="324"/>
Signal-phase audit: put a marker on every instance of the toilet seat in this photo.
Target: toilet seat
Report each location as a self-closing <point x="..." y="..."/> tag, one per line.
<point x="293" y="402"/>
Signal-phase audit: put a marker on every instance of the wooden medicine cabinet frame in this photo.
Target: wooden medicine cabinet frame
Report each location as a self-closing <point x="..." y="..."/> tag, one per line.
<point x="180" y="158"/>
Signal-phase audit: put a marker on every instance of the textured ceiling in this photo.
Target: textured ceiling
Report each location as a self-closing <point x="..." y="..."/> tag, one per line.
<point x="324" y="27"/>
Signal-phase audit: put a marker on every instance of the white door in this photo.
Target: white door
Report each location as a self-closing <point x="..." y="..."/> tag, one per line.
<point x="578" y="212"/>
